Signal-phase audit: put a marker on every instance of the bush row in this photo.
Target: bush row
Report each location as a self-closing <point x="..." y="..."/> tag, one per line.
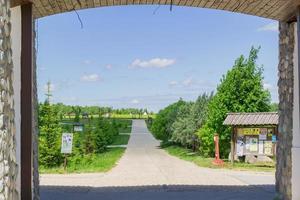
<point x="241" y="89"/>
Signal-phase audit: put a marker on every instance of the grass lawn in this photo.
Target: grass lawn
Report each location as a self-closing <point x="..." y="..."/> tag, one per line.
<point x="126" y="125"/>
<point x="188" y="155"/>
<point x="89" y="163"/>
<point x="95" y="162"/>
<point x="121" y="140"/>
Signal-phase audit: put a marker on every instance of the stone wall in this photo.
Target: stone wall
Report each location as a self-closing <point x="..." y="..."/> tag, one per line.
<point x="285" y="132"/>
<point x="8" y="166"/>
<point x="35" y="128"/>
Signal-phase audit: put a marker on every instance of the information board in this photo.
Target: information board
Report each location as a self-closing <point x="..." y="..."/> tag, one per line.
<point x="249" y="131"/>
<point x="78" y="128"/>
<point x="66" y="143"/>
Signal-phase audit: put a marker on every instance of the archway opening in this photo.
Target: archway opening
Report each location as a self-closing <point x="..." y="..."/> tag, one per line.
<point x="139" y="66"/>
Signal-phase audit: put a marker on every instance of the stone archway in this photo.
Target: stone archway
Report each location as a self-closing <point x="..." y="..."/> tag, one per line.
<point x="23" y="83"/>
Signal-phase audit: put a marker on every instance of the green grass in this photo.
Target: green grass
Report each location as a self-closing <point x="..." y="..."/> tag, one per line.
<point x="125" y="130"/>
<point x="118" y="116"/>
<point x="89" y="163"/>
<point x="120" y="140"/>
<point x="187" y="155"/>
<point x="96" y="162"/>
<point x="126" y="125"/>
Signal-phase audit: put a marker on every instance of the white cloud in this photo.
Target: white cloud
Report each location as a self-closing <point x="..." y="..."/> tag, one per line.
<point x="191" y="83"/>
<point x="109" y="66"/>
<point x="41" y="68"/>
<point x="135" y="101"/>
<point x="87" y="62"/>
<point x="152" y="63"/>
<point x="52" y="87"/>
<point x="173" y="83"/>
<point x="188" y="82"/>
<point x="269" y="27"/>
<point x="268" y="86"/>
<point x="90" y="77"/>
<point x="273" y="89"/>
<point x="68" y="99"/>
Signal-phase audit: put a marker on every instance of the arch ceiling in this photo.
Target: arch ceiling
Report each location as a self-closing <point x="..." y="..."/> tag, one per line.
<point x="281" y="10"/>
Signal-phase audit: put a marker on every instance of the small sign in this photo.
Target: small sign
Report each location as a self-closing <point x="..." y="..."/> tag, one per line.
<point x="249" y="131"/>
<point x="253" y="144"/>
<point x="263" y="134"/>
<point x="66" y="143"/>
<point x="240" y="147"/>
<point x="78" y="128"/>
<point x="268" y="147"/>
<point x="274" y="139"/>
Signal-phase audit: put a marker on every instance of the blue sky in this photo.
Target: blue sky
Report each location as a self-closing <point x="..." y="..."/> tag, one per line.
<point x="130" y="57"/>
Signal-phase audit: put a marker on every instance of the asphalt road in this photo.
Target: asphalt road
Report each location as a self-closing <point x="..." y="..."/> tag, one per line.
<point x="146" y="172"/>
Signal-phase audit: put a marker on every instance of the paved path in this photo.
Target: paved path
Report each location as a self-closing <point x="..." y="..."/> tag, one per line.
<point x="147" y="172"/>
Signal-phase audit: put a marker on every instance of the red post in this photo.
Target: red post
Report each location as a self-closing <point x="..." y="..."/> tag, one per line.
<point x="217" y="160"/>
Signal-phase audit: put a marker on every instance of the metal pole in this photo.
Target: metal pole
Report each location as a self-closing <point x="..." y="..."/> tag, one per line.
<point x="65" y="162"/>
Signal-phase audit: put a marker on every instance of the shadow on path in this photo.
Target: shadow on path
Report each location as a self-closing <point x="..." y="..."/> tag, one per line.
<point x="159" y="192"/>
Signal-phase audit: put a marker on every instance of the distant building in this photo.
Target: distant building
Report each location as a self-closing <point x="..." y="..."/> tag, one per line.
<point x="85" y="115"/>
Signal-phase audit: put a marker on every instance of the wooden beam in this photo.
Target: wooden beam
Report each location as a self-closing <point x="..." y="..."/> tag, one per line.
<point x="14" y="3"/>
<point x="26" y="101"/>
<point x="232" y="145"/>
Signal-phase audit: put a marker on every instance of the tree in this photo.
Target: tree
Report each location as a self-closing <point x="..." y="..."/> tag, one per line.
<point x="161" y="126"/>
<point x="100" y="140"/>
<point x="77" y="111"/>
<point x="190" y="118"/>
<point x="104" y="134"/>
<point x="182" y="128"/>
<point x="240" y="90"/>
<point x="89" y="140"/>
<point x="50" y="135"/>
<point x="274" y="107"/>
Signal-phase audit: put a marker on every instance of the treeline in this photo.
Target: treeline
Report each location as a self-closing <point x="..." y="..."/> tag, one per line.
<point x="97" y="134"/>
<point x="193" y="124"/>
<point x="69" y="111"/>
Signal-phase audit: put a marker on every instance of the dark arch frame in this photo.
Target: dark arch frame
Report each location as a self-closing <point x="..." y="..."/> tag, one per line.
<point x="27" y="107"/>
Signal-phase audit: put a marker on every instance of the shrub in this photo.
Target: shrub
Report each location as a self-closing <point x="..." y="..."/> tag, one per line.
<point x="161" y="126"/>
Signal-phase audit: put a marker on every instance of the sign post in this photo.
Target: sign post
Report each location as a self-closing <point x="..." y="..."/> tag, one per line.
<point x="66" y="146"/>
<point x="217" y="160"/>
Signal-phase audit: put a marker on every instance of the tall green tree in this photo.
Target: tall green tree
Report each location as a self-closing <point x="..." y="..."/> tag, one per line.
<point x="182" y="128"/>
<point x="240" y="90"/>
<point x="77" y="111"/>
<point x="102" y="135"/>
<point x="50" y="135"/>
<point x="89" y="140"/>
